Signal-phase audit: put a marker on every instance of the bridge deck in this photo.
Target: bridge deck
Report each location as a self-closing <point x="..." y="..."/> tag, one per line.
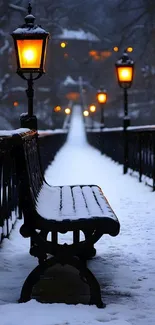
<point x="124" y="266"/>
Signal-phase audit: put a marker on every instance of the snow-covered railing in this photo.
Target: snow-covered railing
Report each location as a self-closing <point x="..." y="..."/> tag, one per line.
<point x="141" y="148"/>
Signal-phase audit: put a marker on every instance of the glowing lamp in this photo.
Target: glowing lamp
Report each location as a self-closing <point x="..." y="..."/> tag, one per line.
<point x="125" y="70"/>
<point x="63" y="44"/>
<point x="124" y="74"/>
<point x="115" y="48"/>
<point x="67" y="110"/>
<point x="30" y="43"/>
<point x="92" y="108"/>
<point x="130" y="49"/>
<point x="85" y="113"/>
<point x="101" y="96"/>
<point x="57" y="108"/>
<point x="15" y="104"/>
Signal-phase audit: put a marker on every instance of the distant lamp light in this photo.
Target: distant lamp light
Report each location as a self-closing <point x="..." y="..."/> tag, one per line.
<point x="92" y="108"/>
<point x="130" y="49"/>
<point x="101" y="96"/>
<point x="115" y="49"/>
<point x="86" y="113"/>
<point x="105" y="54"/>
<point x="57" y="108"/>
<point x="15" y="104"/>
<point x="72" y="96"/>
<point x="63" y="44"/>
<point x="67" y="110"/>
<point x="92" y="53"/>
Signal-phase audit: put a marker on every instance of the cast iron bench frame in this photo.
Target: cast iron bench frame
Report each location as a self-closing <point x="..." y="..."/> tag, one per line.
<point x="37" y="228"/>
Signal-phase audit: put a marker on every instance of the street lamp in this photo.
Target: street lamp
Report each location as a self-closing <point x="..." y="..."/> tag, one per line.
<point x="30" y="42"/>
<point x="125" y="72"/>
<point x="57" y="108"/>
<point x="92" y="110"/>
<point x="67" y="111"/>
<point x="85" y="113"/>
<point x="102" y="99"/>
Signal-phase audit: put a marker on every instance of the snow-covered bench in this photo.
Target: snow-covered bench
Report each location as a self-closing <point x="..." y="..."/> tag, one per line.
<point x="59" y="209"/>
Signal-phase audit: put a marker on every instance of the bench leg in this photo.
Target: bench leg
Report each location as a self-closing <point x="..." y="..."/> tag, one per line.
<point x="88" y="253"/>
<point x="85" y="274"/>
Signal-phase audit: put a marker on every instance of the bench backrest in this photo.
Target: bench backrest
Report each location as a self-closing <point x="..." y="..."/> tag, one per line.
<point x="29" y="169"/>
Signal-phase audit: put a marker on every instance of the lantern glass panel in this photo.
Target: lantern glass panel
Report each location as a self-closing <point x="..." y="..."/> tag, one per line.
<point x="30" y="52"/>
<point x="125" y="74"/>
<point x="102" y="98"/>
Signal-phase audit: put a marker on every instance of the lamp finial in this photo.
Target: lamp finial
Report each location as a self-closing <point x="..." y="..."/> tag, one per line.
<point x="29" y="8"/>
<point x="29" y="19"/>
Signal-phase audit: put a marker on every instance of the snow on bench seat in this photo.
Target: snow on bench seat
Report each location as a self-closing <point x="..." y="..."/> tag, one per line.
<point x="72" y="202"/>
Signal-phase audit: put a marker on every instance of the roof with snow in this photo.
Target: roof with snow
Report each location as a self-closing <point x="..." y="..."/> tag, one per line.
<point x="69" y="81"/>
<point x="79" y="34"/>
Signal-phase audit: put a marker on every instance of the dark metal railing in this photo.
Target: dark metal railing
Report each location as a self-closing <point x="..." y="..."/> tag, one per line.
<point x="141" y="148"/>
<point x="9" y="208"/>
<point x="49" y="144"/>
<point x="141" y="143"/>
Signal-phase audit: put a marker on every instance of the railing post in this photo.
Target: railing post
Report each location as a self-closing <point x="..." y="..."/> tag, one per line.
<point x="153" y="161"/>
<point x="126" y="124"/>
<point x="126" y="144"/>
<point x="140" y="157"/>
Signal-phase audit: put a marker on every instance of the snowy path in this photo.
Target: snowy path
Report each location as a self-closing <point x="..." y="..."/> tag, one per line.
<point x="124" y="265"/>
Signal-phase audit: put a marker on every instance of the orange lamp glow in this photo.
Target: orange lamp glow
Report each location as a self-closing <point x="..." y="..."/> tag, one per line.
<point x="105" y="54"/>
<point x="67" y="110"/>
<point x="130" y="49"/>
<point x="125" y="74"/>
<point x="92" y="53"/>
<point x="85" y="113"/>
<point x="30" y="41"/>
<point x="66" y="55"/>
<point x="72" y="95"/>
<point x="15" y="104"/>
<point x="29" y="52"/>
<point x="125" y="70"/>
<point x="57" y="108"/>
<point x="115" y="49"/>
<point x="92" y="108"/>
<point x="63" y="44"/>
<point x="102" y="97"/>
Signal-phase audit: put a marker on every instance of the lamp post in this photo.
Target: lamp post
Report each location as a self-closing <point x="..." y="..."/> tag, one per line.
<point x="125" y="71"/>
<point x="102" y="99"/>
<point x="92" y="110"/>
<point x="30" y="42"/>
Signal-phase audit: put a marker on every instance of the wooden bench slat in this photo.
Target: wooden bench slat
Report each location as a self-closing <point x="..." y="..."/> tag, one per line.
<point x="107" y="210"/>
<point x="67" y="202"/>
<point x="48" y="202"/>
<point x="79" y="202"/>
<point x="92" y="205"/>
<point x="67" y="209"/>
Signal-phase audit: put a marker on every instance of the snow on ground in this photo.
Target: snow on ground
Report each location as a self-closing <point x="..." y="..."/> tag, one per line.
<point x="124" y="265"/>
